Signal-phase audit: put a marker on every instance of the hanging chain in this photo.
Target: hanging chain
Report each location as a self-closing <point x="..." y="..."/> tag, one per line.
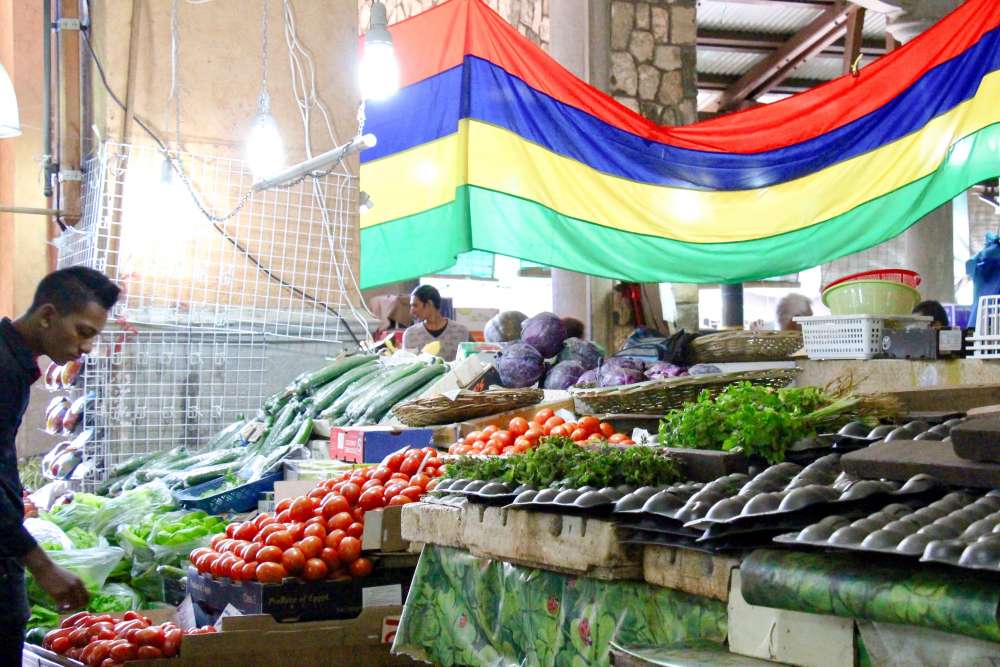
<point x="264" y="100"/>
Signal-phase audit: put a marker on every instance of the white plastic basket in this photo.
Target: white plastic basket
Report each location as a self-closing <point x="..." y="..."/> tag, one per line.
<point x="852" y="336"/>
<point x="986" y="340"/>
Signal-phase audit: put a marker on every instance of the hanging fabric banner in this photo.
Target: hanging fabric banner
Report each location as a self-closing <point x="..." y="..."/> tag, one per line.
<point x="492" y="145"/>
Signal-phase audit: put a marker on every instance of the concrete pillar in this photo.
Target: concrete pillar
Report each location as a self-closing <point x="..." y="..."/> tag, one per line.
<point x="928" y="251"/>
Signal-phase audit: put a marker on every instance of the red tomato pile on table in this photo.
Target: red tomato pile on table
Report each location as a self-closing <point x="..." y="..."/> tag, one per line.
<point x="102" y="640"/>
<point x="318" y="536"/>
<point x="522" y="435"/>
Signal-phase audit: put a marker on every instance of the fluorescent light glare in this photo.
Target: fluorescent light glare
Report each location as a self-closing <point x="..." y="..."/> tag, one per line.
<point x="379" y="71"/>
<point x="10" y="123"/>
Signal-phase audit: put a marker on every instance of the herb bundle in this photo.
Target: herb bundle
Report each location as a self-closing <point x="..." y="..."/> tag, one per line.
<point x="560" y="461"/>
<point x="765" y="422"/>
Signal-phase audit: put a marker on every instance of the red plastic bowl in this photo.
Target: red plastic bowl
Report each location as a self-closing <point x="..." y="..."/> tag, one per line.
<point x="905" y="276"/>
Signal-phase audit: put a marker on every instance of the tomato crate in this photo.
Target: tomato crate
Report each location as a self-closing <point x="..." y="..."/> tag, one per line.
<point x="297" y="600"/>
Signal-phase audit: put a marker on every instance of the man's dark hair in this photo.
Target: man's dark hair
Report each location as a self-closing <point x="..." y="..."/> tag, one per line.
<point x="428" y="294"/>
<point x="70" y="290"/>
<point x="932" y="309"/>
<point x="574" y="327"/>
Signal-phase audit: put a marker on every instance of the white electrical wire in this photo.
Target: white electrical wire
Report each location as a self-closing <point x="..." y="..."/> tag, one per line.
<point x="306" y="98"/>
<point x="175" y="74"/>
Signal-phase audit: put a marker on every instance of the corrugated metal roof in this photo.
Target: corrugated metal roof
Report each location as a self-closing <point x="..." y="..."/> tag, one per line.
<point x="773" y="19"/>
<point x="727" y="62"/>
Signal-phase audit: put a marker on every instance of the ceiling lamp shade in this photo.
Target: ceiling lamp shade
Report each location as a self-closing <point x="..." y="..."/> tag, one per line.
<point x="10" y="124"/>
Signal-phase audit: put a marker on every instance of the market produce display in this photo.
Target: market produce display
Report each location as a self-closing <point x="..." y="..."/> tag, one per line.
<point x="102" y="640"/>
<point x="359" y="389"/>
<point x="522" y="435"/>
<point x="561" y="461"/>
<point x="765" y="422"/>
<point x="318" y="536"/>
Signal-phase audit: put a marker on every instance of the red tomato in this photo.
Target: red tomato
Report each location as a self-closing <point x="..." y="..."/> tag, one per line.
<point x="393" y="461"/>
<point x="316" y="529"/>
<point x="518" y="426"/>
<point x="330" y="557"/>
<point x="559" y="431"/>
<point x="473" y="435"/>
<point x="392" y="490"/>
<point x="552" y="422"/>
<point x="589" y="424"/>
<point x="534" y="433"/>
<point x="413" y="491"/>
<point x="616" y="438"/>
<point x="267" y="530"/>
<point x="236" y="569"/>
<point x="335" y="504"/>
<point x="301" y="509"/>
<point x="400" y="476"/>
<point x="341" y="521"/>
<point x="372" y="498"/>
<point x="317" y="493"/>
<point x="351" y="492"/>
<point x="270" y="573"/>
<point x="411" y="464"/>
<point x="334" y="537"/>
<point x="296" y="530"/>
<point x="122" y="651"/>
<point x="359" y="514"/>
<point x="349" y="549"/>
<point x="269" y="555"/>
<point x="261" y="518"/>
<point x="315" y="570"/>
<point x="400" y="500"/>
<point x="293" y="560"/>
<point x="503" y="438"/>
<point x="150" y="636"/>
<point x="382" y="473"/>
<point x="284" y="517"/>
<point x="249" y="571"/>
<point x="578" y="435"/>
<point x="282" y="505"/>
<point x="318" y="519"/>
<point x="281" y="539"/>
<point x="543" y="415"/>
<point x="231" y="529"/>
<point x="370" y="484"/>
<point x="197" y="553"/>
<point x="607" y="429"/>
<point x="216" y="539"/>
<point x="420" y="480"/>
<point x="60" y="645"/>
<point x="362" y="567"/>
<point x="490" y="430"/>
<point x="312" y="546"/>
<point x="356" y="529"/>
<point x="247" y="531"/>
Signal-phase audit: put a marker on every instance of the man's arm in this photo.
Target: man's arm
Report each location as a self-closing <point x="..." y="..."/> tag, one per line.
<point x="64" y="586"/>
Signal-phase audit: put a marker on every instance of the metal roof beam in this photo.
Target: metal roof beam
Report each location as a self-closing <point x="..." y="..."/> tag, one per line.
<point x="854" y="37"/>
<point x="814" y="38"/>
<point x="789" y="86"/>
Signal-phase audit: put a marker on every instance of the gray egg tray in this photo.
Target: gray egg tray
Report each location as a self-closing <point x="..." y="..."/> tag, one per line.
<point x="783" y="495"/>
<point x="489" y="493"/>
<point x="583" y="500"/>
<point x="857" y="435"/>
<point x="960" y="529"/>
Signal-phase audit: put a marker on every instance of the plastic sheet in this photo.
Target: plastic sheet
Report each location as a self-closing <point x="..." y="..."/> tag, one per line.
<point x="889" y="645"/>
<point x="464" y="610"/>
<point x="862" y="588"/>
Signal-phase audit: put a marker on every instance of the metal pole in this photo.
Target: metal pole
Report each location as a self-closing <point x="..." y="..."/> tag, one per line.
<point x="47" y="96"/>
<point x="26" y="210"/>
<point x="732" y="306"/>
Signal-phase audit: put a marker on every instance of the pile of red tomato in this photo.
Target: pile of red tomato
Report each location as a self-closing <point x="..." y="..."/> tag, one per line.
<point x="102" y="640"/>
<point x="318" y="536"/>
<point x="522" y="435"/>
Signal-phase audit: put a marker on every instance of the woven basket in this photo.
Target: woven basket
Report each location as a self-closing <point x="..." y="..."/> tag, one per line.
<point x="658" y="396"/>
<point x="733" y="346"/>
<point x="467" y="405"/>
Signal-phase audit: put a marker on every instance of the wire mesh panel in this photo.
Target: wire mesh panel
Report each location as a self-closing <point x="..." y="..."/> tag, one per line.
<point x="154" y="390"/>
<point x="278" y="261"/>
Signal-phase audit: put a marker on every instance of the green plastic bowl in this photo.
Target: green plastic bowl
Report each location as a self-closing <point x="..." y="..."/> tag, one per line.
<point x="871" y="297"/>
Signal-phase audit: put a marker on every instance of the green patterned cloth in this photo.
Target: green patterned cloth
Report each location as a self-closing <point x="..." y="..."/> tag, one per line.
<point x="464" y="610"/>
<point x="861" y="587"/>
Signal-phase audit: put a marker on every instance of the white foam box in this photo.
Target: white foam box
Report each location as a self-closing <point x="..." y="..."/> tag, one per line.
<point x="790" y="637"/>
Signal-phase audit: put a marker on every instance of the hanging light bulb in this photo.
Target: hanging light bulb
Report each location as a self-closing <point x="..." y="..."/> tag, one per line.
<point x="10" y="124"/>
<point x="379" y="71"/>
<point x="265" y="152"/>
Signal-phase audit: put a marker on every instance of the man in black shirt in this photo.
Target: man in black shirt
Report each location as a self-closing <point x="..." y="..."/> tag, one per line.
<point x="69" y="309"/>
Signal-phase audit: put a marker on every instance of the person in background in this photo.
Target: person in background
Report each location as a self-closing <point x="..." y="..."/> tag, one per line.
<point x="574" y="327"/>
<point x="69" y="309"/>
<point x="790" y="307"/>
<point x="430" y="325"/>
<point x="933" y="309"/>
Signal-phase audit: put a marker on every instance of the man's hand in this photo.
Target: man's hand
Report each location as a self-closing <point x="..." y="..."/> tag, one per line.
<point x="64" y="586"/>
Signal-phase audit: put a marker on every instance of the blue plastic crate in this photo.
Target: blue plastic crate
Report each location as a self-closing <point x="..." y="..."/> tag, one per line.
<point x="241" y="499"/>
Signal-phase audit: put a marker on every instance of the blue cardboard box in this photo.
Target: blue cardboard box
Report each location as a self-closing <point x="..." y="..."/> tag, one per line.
<point x="371" y="444"/>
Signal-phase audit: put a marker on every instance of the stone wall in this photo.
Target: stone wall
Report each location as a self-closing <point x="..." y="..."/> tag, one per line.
<point x="530" y="17"/>
<point x="653" y="59"/>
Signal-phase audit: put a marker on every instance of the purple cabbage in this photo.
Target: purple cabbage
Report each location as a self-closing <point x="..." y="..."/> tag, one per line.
<point x="616" y="376"/>
<point x="519" y="365"/>
<point x="576" y="349"/>
<point x="504" y="327"/>
<point x="624" y="362"/>
<point x="564" y="375"/>
<point x="662" y="369"/>
<point x="545" y="332"/>
<point x="588" y="379"/>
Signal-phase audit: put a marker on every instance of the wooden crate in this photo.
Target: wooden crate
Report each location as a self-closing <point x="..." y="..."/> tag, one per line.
<point x="689" y="571"/>
<point x="570" y="544"/>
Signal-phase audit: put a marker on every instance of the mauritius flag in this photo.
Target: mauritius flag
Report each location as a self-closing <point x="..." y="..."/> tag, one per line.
<point x="492" y="145"/>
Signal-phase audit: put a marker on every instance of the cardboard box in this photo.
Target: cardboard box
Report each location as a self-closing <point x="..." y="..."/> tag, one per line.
<point x="383" y="531"/>
<point x="295" y="599"/>
<point x="792" y="637"/>
<point x="371" y="444"/>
